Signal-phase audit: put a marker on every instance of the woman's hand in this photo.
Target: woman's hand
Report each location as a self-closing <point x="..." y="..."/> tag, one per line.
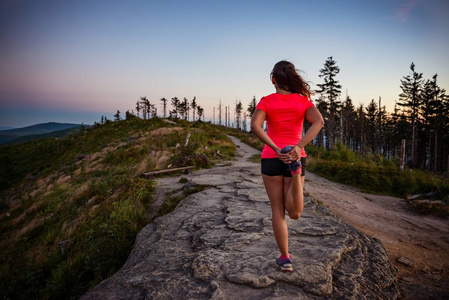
<point x="293" y="155"/>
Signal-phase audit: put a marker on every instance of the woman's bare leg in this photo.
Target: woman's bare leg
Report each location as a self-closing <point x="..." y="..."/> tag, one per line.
<point x="294" y="196"/>
<point x="274" y="186"/>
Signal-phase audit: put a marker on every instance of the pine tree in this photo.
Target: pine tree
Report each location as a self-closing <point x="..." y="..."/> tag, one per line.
<point x="193" y="105"/>
<point x="185" y="108"/>
<point x="360" y="124"/>
<point x="200" y="112"/>
<point x="348" y="116"/>
<point x="175" y="104"/>
<point x="410" y="99"/>
<point x="164" y="107"/>
<point x="117" y="116"/>
<point x="138" y="107"/>
<point x="128" y="115"/>
<point x="252" y="107"/>
<point x="330" y="90"/>
<point x="371" y="125"/>
<point x="238" y="113"/>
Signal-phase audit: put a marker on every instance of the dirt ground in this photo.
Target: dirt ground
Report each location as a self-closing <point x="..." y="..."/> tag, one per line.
<point x="423" y="240"/>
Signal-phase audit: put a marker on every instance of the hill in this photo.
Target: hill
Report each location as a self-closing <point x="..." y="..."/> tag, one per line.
<point x="36" y="131"/>
<point x="70" y="208"/>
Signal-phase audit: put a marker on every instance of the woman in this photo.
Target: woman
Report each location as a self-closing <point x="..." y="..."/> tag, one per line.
<point x="281" y="167"/>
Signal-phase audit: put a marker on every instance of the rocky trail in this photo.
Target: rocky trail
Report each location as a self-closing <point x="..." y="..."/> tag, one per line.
<point x="219" y="244"/>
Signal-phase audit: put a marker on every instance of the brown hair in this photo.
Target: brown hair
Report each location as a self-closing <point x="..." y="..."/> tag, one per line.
<point x="288" y="79"/>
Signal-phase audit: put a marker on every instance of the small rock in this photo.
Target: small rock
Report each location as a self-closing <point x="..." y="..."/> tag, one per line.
<point x="406" y="261"/>
<point x="407" y="279"/>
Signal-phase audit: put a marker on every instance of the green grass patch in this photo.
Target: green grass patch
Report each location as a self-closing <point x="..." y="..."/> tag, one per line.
<point x="84" y="188"/>
<point x="255" y="158"/>
<point x="374" y="174"/>
<point x="172" y="200"/>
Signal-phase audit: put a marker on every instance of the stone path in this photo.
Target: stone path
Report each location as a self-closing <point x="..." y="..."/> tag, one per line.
<point x="219" y="244"/>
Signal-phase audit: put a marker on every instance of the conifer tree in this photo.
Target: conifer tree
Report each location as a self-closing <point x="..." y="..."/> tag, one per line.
<point x="330" y="91"/>
<point x="252" y="107"/>
<point x="117" y="116"/>
<point x="164" y="107"/>
<point x="238" y="113"/>
<point x="410" y="99"/>
<point x="371" y="125"/>
<point x="175" y="104"/>
<point x="185" y="108"/>
<point x="200" y="112"/>
<point x="138" y="107"/>
<point x="360" y="122"/>
<point x="348" y="116"/>
<point x="194" y="105"/>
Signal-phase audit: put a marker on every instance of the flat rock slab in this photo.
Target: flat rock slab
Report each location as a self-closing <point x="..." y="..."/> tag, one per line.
<point x="219" y="244"/>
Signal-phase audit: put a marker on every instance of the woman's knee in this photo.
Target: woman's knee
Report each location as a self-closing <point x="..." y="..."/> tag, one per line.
<point x="295" y="215"/>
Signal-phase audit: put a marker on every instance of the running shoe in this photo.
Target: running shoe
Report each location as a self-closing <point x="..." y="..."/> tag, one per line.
<point x="294" y="166"/>
<point x="285" y="264"/>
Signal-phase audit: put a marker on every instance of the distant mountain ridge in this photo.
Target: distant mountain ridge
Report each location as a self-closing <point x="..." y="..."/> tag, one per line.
<point x="36" y="131"/>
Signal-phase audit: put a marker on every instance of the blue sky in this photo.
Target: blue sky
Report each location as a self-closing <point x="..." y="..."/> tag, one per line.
<point x="74" y="61"/>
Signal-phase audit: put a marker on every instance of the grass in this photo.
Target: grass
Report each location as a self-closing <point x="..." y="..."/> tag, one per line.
<point x="255" y="158"/>
<point x="173" y="199"/>
<point x="247" y="138"/>
<point x="86" y="189"/>
<point x="376" y="175"/>
<point x="372" y="174"/>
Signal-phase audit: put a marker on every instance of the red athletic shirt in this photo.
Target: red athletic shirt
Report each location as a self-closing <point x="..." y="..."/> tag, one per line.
<point x="285" y="118"/>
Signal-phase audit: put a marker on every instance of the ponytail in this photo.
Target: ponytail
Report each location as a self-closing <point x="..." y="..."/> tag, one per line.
<point x="288" y="79"/>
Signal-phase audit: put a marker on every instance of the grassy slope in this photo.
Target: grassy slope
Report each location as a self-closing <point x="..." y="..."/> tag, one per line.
<point x="85" y="189"/>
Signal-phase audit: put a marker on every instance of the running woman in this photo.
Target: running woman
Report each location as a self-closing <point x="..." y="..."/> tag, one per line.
<point x="284" y="112"/>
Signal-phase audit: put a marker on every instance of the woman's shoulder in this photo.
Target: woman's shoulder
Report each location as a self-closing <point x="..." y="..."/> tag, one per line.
<point x="271" y="96"/>
<point x="293" y="96"/>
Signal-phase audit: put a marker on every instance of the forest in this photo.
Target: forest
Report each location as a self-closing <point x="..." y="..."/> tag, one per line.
<point x="415" y="134"/>
<point x="416" y="131"/>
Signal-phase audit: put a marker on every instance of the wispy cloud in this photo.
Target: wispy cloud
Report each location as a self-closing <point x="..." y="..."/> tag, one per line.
<point x="402" y="14"/>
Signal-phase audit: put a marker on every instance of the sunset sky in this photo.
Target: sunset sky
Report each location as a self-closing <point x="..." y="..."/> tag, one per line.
<point x="74" y="61"/>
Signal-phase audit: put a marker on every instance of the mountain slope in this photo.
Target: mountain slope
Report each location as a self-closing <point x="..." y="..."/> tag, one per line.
<point x="83" y="194"/>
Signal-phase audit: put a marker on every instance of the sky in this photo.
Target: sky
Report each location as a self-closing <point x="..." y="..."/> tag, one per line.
<point x="75" y="61"/>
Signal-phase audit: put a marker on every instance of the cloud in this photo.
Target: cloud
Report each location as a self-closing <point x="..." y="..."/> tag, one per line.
<point x="402" y="14"/>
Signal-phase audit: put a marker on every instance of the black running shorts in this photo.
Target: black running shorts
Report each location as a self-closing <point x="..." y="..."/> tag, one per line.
<point x="275" y="167"/>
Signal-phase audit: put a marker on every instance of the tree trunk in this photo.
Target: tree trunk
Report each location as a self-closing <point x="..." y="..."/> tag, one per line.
<point x="402" y="155"/>
<point x="435" y="160"/>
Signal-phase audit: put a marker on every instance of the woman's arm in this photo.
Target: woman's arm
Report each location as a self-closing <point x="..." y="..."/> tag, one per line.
<point x="256" y="127"/>
<point x="313" y="115"/>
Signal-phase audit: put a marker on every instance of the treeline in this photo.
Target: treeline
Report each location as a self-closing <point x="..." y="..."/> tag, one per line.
<point x="190" y="111"/>
<point x="146" y="110"/>
<point x="417" y="130"/>
<point x="222" y="114"/>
